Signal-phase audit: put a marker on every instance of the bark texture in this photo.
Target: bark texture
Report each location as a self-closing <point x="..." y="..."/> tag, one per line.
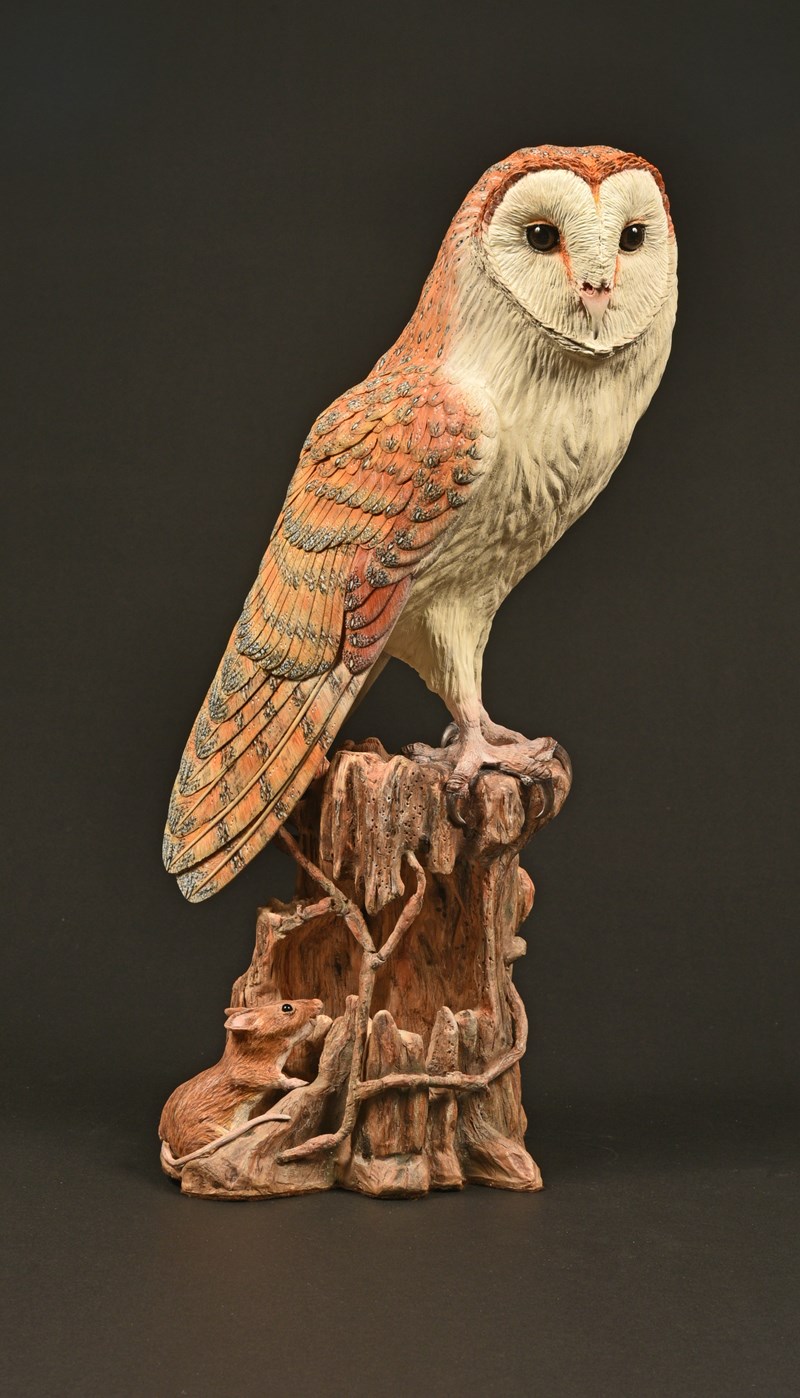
<point x="405" y="926"/>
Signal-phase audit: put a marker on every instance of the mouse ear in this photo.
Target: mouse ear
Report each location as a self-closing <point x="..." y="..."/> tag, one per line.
<point x="239" y="1017"/>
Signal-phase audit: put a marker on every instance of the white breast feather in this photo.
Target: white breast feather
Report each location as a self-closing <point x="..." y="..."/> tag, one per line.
<point x="560" y="425"/>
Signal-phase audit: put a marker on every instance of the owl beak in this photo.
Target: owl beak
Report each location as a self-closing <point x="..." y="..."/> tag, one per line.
<point x="595" y="302"/>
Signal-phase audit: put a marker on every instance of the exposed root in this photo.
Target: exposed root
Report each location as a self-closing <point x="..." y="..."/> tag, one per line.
<point x="371" y="962"/>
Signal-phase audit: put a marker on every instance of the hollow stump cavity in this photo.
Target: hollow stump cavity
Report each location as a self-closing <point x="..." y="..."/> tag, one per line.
<point x="405" y="925"/>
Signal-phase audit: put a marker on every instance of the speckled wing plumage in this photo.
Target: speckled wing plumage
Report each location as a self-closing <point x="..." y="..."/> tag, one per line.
<point x="381" y="477"/>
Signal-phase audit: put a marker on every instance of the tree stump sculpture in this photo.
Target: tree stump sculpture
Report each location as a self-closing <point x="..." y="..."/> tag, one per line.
<point x="405" y="926"/>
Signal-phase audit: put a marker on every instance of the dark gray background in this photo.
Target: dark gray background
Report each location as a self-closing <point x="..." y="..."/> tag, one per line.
<point x="219" y="217"/>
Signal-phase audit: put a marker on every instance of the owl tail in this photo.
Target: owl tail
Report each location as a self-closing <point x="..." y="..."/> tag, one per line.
<point x="257" y="743"/>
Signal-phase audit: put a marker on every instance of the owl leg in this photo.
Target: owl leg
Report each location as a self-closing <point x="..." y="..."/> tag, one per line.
<point x="497" y="733"/>
<point x="494" y="733"/>
<point x="455" y="645"/>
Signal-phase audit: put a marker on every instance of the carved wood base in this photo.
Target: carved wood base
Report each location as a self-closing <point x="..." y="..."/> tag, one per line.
<point x="405" y="926"/>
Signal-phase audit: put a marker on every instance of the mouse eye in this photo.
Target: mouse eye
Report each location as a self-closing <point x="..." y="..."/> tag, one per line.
<point x="543" y="237"/>
<point x="287" y="1008"/>
<point x="632" y="237"/>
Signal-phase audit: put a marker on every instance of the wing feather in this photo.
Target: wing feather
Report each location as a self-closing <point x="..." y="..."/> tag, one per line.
<point x="382" y="475"/>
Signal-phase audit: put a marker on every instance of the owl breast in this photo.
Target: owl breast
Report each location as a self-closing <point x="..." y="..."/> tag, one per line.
<point x="561" y="432"/>
<point x="544" y="473"/>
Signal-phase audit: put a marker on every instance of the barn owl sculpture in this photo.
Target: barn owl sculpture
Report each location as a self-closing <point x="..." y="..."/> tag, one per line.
<point x="423" y="495"/>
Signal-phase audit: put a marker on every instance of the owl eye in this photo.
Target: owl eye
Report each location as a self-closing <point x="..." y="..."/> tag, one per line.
<point x="632" y="237"/>
<point x="287" y="1009"/>
<point x="543" y="237"/>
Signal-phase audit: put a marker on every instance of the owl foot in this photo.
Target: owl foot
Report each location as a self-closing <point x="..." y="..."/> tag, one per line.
<point x="496" y="733"/>
<point x="492" y="732"/>
<point x="467" y="752"/>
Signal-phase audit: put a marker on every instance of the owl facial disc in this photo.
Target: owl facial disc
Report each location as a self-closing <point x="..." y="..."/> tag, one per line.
<point x="596" y="281"/>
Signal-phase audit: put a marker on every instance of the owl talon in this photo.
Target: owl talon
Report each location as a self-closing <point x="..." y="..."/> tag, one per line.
<point x="536" y="773"/>
<point x="420" y="752"/>
<point x="451" y="733"/>
<point x="456" y="793"/>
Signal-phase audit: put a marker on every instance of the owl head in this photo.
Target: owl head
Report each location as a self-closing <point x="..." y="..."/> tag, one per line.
<point x="578" y="241"/>
<point x="582" y="241"/>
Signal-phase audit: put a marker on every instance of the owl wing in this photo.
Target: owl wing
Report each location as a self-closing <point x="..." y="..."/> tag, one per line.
<point x="381" y="478"/>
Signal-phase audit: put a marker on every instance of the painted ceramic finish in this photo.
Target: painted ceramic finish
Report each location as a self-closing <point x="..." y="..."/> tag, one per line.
<point x="424" y="494"/>
<point x="406" y="927"/>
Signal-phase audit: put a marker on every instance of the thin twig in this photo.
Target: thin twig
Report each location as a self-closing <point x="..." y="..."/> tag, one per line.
<point x="371" y="963"/>
<point x="409" y="1082"/>
<point x="343" y="905"/>
<point x="288" y="922"/>
<point x="514" y="1054"/>
<point x="409" y="913"/>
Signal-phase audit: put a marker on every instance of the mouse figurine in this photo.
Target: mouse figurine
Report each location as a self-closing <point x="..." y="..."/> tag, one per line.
<point x="258" y="1041"/>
